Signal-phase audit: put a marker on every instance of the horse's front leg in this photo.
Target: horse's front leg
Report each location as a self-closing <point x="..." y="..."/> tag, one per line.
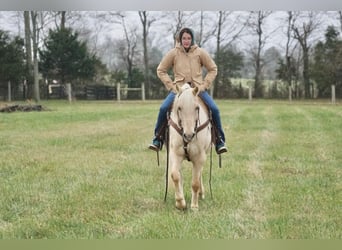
<point x="201" y="191"/>
<point x="196" y="185"/>
<point x="177" y="181"/>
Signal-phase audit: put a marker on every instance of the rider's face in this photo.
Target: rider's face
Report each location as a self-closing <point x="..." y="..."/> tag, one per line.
<point x="186" y="40"/>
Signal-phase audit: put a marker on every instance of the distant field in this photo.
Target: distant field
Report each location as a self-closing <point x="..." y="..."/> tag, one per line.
<point x="83" y="170"/>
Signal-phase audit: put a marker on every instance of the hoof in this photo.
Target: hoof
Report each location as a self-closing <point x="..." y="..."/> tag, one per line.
<point x="181" y="205"/>
<point x="194" y="208"/>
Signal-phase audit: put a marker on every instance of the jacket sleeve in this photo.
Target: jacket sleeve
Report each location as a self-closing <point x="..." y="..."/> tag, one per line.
<point x="211" y="67"/>
<point x="163" y="67"/>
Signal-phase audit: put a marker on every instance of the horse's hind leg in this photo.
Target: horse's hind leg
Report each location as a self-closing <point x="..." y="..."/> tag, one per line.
<point x="177" y="180"/>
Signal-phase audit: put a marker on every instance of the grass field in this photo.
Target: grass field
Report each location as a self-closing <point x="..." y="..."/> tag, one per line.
<point x="83" y="170"/>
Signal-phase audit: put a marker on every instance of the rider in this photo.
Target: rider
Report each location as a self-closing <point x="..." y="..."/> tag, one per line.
<point x="187" y="60"/>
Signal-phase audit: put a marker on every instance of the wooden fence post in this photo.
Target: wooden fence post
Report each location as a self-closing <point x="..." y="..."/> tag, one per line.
<point x="290" y="92"/>
<point x="118" y="91"/>
<point x="68" y="89"/>
<point x="9" y="98"/>
<point x="333" y="95"/>
<point x="143" y="91"/>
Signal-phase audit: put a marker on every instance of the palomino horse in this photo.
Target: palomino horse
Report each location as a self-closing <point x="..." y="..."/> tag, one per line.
<point x="190" y="138"/>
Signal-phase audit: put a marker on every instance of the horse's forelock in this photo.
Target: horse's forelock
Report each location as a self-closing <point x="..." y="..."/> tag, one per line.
<point x="185" y="86"/>
<point x="181" y="89"/>
<point x="186" y="93"/>
<point x="185" y="99"/>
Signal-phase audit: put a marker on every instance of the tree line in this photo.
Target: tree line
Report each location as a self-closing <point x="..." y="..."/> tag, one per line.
<point x="281" y="54"/>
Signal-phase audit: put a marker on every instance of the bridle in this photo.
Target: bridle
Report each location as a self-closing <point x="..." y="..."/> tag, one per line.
<point x="178" y="127"/>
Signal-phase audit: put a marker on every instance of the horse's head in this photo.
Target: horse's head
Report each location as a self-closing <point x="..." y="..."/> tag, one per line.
<point x="187" y="107"/>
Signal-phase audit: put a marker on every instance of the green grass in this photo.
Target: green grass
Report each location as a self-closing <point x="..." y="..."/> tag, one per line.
<point x="83" y="170"/>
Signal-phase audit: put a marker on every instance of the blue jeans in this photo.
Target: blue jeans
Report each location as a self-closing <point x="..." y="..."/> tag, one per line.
<point x="162" y="119"/>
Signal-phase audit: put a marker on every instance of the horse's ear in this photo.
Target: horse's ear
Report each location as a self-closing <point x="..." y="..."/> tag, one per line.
<point x="178" y="89"/>
<point x="195" y="91"/>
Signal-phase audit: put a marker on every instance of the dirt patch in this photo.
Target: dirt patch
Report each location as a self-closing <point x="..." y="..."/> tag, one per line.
<point x="21" y="107"/>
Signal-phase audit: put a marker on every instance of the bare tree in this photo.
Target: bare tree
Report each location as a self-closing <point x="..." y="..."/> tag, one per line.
<point x="146" y="21"/>
<point x="63" y="19"/>
<point x="109" y="50"/>
<point x="340" y="18"/>
<point x="199" y="21"/>
<point x="128" y="49"/>
<point x="89" y="26"/>
<point x="287" y="53"/>
<point x="180" y="22"/>
<point x="126" y="45"/>
<point x="200" y="36"/>
<point x="35" y="22"/>
<point x="28" y="48"/>
<point x="35" y="41"/>
<point x="222" y="15"/>
<point x="289" y="67"/>
<point x="303" y="27"/>
<point x="257" y="27"/>
<point x="174" y="21"/>
<point x="31" y="45"/>
<point x="228" y="28"/>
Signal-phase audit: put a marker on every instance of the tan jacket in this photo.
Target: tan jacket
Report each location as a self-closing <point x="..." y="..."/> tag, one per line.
<point x="187" y="67"/>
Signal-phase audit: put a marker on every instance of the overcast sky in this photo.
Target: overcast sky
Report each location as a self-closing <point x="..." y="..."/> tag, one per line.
<point x="163" y="38"/>
<point x="171" y="5"/>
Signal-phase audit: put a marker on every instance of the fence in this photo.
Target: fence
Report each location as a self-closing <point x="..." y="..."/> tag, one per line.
<point x="93" y="92"/>
<point x="119" y="89"/>
<point x="97" y="92"/>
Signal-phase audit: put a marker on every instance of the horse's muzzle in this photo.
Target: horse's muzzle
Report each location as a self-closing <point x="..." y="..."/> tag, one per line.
<point x="188" y="137"/>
